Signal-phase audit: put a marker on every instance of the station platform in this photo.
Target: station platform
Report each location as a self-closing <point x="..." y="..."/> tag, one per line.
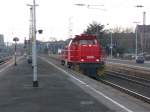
<point x="57" y="92"/>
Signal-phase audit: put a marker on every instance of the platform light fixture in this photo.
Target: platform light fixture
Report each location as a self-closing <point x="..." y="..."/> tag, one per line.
<point x="15" y="39"/>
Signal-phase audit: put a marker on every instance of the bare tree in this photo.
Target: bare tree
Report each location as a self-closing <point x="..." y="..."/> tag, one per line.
<point x="120" y="29"/>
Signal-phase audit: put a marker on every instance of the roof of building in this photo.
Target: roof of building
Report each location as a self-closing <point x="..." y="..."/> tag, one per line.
<point x="143" y="28"/>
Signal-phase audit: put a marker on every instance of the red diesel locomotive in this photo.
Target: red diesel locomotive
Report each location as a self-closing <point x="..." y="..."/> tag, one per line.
<point x="84" y="54"/>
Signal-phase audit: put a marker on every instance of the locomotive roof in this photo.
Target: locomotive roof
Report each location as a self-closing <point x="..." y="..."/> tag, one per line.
<point x="84" y="37"/>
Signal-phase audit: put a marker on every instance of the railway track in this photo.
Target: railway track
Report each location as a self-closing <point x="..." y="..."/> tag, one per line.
<point x="137" y="87"/>
<point x="5" y="59"/>
<point x="134" y="79"/>
<point x="132" y="85"/>
<point x="143" y="72"/>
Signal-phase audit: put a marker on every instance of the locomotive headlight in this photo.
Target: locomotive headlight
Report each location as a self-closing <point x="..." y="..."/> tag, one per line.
<point x="82" y="60"/>
<point x="97" y="60"/>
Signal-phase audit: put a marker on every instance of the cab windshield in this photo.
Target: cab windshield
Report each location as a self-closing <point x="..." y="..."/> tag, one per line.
<point x="87" y="42"/>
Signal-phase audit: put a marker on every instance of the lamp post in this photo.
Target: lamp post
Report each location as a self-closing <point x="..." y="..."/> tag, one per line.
<point x="15" y="39"/>
<point x="136" y="35"/>
<point x="34" y="55"/>
<point x="35" y="81"/>
<point x="138" y="6"/>
<point x="111" y="42"/>
<point x="88" y="6"/>
<point x="33" y="33"/>
<point x="111" y="46"/>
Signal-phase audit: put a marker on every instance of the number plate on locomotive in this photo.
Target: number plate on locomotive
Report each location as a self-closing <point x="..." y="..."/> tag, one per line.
<point x="90" y="57"/>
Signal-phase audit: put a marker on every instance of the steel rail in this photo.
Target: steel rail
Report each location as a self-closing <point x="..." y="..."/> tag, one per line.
<point x="4" y="60"/>
<point x="134" y="67"/>
<point x="129" y="92"/>
<point x="135" y="77"/>
<point x="128" y="78"/>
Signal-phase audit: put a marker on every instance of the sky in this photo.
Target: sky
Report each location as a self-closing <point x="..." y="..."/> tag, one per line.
<point x="56" y="17"/>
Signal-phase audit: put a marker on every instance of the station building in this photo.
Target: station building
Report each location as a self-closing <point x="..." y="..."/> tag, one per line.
<point x="143" y="38"/>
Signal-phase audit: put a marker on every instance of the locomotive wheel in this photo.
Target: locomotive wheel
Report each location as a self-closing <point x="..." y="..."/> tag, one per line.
<point x="78" y="69"/>
<point x="101" y="70"/>
<point x="62" y="63"/>
<point x="69" y="65"/>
